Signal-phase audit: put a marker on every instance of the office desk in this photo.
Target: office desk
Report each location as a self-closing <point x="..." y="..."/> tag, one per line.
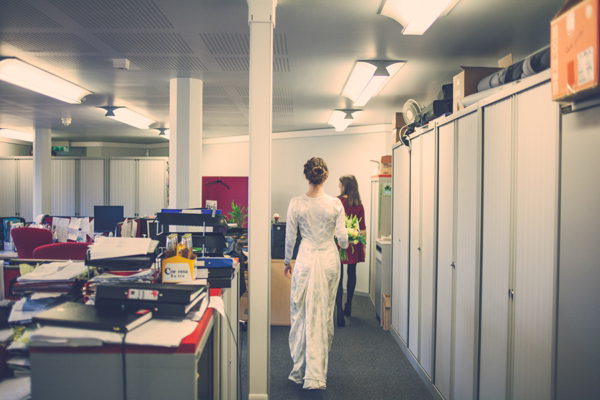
<point x="197" y="369"/>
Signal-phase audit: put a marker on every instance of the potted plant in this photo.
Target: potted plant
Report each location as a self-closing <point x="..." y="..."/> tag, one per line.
<point x="238" y="214"/>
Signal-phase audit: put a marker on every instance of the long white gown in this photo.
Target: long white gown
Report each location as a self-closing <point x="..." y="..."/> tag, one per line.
<point x="314" y="283"/>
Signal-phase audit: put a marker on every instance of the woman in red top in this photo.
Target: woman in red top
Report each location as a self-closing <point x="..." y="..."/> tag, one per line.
<point x="350" y="199"/>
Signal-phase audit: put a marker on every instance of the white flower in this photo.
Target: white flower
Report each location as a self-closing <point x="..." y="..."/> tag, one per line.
<point x="275" y="215"/>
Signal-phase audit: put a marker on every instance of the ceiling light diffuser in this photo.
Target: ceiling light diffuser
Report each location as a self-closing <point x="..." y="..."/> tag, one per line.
<point x="128" y="117"/>
<point x="19" y="135"/>
<point x="164" y="133"/>
<point x="367" y="79"/>
<point x="416" y="16"/>
<point x="20" y="73"/>
<point x="341" y="118"/>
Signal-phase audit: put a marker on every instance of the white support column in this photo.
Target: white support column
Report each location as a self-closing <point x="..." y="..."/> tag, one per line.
<point x="42" y="172"/>
<point x="185" y="145"/>
<point x="261" y="18"/>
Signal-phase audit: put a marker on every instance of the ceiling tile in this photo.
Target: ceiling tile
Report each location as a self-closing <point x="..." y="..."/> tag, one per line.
<point x="107" y="14"/>
<point x="237" y="64"/>
<point x="153" y="43"/>
<point x="166" y="63"/>
<point x="48" y="42"/>
<point x="227" y="43"/>
<point x="79" y="62"/>
<point x="20" y="14"/>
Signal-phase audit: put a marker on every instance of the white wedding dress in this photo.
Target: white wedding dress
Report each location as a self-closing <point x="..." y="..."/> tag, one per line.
<point x="314" y="283"/>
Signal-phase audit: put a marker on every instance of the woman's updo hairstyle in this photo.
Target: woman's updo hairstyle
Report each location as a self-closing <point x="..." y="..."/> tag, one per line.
<point x="316" y="171"/>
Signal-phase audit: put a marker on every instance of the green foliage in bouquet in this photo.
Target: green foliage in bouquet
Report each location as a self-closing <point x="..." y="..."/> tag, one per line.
<point x="238" y="214"/>
<point x="355" y="236"/>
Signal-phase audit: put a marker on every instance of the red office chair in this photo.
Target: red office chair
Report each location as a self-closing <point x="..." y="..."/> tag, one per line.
<point x="27" y="239"/>
<point x="61" y="251"/>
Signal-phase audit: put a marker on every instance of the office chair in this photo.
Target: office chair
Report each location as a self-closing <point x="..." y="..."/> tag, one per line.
<point x="61" y="251"/>
<point x="27" y="239"/>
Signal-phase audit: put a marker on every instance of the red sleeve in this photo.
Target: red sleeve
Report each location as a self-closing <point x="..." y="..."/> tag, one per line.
<point x="361" y="215"/>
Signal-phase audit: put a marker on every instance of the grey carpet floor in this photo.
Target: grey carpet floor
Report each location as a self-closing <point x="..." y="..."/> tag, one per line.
<point x="365" y="363"/>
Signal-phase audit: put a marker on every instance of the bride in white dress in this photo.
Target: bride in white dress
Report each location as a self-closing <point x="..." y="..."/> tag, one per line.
<point x="315" y="275"/>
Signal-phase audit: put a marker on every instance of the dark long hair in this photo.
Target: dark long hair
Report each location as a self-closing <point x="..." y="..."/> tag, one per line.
<point x="350" y="189"/>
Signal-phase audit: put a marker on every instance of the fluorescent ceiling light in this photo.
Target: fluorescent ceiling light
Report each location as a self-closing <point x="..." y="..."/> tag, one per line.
<point x="340" y="119"/>
<point x="367" y="79"/>
<point x="128" y="117"/>
<point x="19" y="135"/>
<point x="20" y="73"/>
<point x="416" y="16"/>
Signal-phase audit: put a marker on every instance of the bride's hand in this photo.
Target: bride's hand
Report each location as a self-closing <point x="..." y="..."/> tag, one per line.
<point x="287" y="271"/>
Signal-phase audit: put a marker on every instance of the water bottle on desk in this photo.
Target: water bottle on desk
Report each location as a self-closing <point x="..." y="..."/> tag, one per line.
<point x="79" y="236"/>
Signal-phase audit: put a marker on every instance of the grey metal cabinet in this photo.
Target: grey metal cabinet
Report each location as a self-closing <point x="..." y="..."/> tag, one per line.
<point x="446" y="254"/>
<point x="520" y="228"/>
<point x="16" y="181"/>
<point x="421" y="267"/>
<point x="400" y="241"/>
<point x="458" y="266"/>
<point x="468" y="220"/>
<point x="138" y="184"/>
<point x="577" y="347"/>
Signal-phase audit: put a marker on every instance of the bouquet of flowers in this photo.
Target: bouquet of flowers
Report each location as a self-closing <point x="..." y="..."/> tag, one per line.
<point x="355" y="236"/>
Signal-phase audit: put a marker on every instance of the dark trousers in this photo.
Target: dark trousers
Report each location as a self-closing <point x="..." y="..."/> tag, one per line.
<point x="351" y="285"/>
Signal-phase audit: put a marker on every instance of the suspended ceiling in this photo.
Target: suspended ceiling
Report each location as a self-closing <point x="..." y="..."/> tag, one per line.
<point x="316" y="43"/>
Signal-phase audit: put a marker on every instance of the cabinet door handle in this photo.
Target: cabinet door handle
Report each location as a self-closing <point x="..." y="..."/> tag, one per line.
<point x="511" y="293"/>
<point x="453" y="265"/>
<point x="418" y="248"/>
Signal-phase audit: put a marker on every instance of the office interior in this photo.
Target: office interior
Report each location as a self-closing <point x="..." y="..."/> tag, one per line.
<point x="134" y="54"/>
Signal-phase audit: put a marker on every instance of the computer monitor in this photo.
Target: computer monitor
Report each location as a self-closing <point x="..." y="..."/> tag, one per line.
<point x="106" y="218"/>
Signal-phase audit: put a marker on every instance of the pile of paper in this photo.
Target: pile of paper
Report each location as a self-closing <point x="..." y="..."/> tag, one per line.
<point x="27" y="307"/>
<point x="172" y="332"/>
<point x="53" y="277"/>
<point x="144" y="276"/>
<point x="107" y="247"/>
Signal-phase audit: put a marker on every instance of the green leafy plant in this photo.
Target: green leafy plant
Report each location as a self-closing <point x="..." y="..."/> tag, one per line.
<point x="238" y="214"/>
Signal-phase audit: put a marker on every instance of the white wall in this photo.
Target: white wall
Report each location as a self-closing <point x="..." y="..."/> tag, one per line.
<point x="8" y="149"/>
<point x="344" y="154"/>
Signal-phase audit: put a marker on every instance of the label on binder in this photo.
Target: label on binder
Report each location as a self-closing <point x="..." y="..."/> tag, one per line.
<point x="141" y="294"/>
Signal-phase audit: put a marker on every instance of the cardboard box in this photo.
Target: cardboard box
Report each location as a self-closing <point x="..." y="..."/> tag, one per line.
<point x="385" y="168"/>
<point x="386" y="304"/>
<point x="465" y="83"/>
<point x="574" y="50"/>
